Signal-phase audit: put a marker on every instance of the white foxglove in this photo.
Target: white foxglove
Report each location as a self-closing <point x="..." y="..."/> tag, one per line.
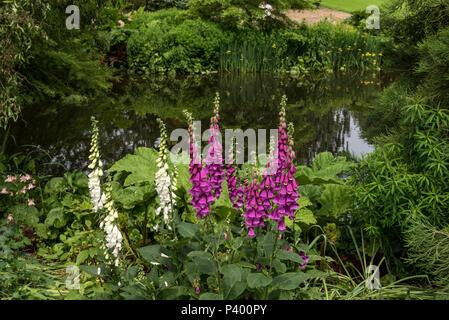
<point x="165" y="179"/>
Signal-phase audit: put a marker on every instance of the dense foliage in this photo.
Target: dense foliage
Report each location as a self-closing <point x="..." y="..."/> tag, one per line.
<point x="148" y="227"/>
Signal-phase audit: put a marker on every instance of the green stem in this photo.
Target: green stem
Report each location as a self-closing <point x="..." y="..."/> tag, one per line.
<point x="273" y="254"/>
<point x="145" y="228"/>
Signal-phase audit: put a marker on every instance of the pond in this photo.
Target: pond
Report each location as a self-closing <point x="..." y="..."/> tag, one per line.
<point x="326" y="113"/>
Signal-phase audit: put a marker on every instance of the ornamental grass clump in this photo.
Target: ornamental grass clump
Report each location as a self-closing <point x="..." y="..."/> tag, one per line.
<point x="165" y="179"/>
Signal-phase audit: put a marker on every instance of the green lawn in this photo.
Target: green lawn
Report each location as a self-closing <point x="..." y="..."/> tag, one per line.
<point x="349" y="5"/>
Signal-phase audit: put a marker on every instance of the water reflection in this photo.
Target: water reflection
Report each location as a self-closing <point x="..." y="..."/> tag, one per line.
<point x="325" y="113"/>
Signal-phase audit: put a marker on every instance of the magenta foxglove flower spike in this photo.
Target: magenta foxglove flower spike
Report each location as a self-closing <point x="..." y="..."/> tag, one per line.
<point x="214" y="158"/>
<point x="287" y="187"/>
<point x="255" y="213"/>
<point x="201" y="190"/>
<point x="236" y="194"/>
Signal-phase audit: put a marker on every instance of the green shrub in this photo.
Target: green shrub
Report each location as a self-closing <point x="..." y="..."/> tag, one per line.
<point x="433" y="66"/>
<point x="167" y="43"/>
<point x="406" y="176"/>
<point x="428" y="249"/>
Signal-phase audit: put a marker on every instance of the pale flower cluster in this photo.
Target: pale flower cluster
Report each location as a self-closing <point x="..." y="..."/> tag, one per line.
<point x="97" y="198"/>
<point x="114" y="237"/>
<point x="165" y="192"/>
<point x="164" y="179"/>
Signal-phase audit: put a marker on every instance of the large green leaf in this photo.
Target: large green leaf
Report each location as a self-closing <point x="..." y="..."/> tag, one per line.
<point x="188" y="230"/>
<point x="56" y="218"/>
<point x="258" y="280"/>
<point x="233" y="286"/>
<point x="336" y="200"/>
<point x="289" y="280"/>
<point x="289" y="255"/>
<point x="325" y="170"/>
<point x="28" y="215"/>
<point x="141" y="165"/>
<point x="204" y="262"/>
<point x="211" y="296"/>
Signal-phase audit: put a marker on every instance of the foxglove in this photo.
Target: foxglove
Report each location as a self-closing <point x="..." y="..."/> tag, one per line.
<point x="97" y="198"/>
<point x="165" y="179"/>
<point x="214" y="159"/>
<point x="201" y="190"/>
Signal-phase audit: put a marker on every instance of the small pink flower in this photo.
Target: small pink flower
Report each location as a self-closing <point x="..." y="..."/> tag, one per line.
<point x="31" y="186"/>
<point x="31" y="202"/>
<point x="24" y="190"/>
<point x="226" y="237"/>
<point x="10" y="179"/>
<point x="25" y="178"/>
<point x="11" y="194"/>
<point x="121" y="23"/>
<point x="197" y="290"/>
<point x="287" y="248"/>
<point x="4" y="191"/>
<point x="10" y="218"/>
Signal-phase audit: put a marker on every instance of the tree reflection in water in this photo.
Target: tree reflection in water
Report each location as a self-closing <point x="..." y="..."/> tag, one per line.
<point x="325" y="113"/>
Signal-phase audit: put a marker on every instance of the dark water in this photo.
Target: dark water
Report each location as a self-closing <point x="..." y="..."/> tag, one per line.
<point x="325" y="113"/>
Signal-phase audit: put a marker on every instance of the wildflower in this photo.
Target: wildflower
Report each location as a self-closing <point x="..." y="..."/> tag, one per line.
<point x="121" y="23"/>
<point x="10" y="179"/>
<point x="4" y="191"/>
<point x="287" y="193"/>
<point x="164" y="179"/>
<point x="259" y="266"/>
<point x="255" y="212"/>
<point x="10" y="217"/>
<point x="25" y="178"/>
<point x="23" y="190"/>
<point x="164" y="255"/>
<point x="197" y="290"/>
<point x="31" y="186"/>
<point x="98" y="271"/>
<point x="304" y="258"/>
<point x="97" y="198"/>
<point x="214" y="160"/>
<point x="380" y="54"/>
<point x="236" y="194"/>
<point x="31" y="202"/>
<point x="201" y="190"/>
<point x="274" y="46"/>
<point x="113" y="237"/>
<point x="287" y="248"/>
<point x="226" y="237"/>
<point x="228" y="52"/>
